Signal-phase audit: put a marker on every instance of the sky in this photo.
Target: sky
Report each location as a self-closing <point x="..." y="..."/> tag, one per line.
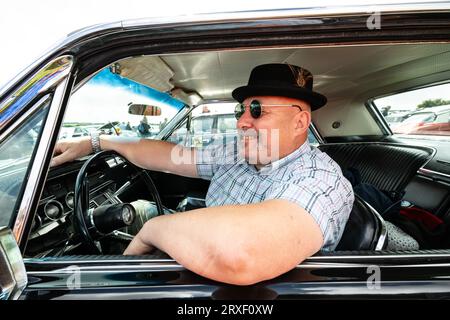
<point x="28" y="28"/>
<point x="408" y="101"/>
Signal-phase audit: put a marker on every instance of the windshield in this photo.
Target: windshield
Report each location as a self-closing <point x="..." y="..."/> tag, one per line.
<point x="102" y="105"/>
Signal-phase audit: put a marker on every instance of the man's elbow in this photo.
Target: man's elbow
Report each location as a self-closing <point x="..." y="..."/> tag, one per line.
<point x="243" y="269"/>
<point x="236" y="269"/>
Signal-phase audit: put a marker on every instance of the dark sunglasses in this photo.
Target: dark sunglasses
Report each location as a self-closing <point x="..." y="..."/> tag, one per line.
<point x="256" y="108"/>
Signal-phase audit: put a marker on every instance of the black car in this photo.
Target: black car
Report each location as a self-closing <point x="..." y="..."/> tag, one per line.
<point x="183" y="64"/>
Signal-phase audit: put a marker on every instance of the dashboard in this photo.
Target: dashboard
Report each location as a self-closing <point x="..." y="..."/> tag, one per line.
<point x="52" y="231"/>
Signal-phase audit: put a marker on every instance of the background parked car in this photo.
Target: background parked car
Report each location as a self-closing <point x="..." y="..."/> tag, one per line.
<point x="395" y="118"/>
<point x="433" y="121"/>
<point x="72" y="132"/>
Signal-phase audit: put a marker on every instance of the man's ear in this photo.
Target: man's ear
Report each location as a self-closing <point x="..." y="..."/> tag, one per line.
<point x="302" y="121"/>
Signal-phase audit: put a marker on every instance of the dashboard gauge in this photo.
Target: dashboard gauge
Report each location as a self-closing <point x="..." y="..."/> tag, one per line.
<point x="53" y="210"/>
<point x="70" y="199"/>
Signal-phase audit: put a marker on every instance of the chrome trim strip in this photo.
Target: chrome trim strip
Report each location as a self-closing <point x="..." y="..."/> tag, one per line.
<point x="174" y="266"/>
<point x="171" y="126"/>
<point x="316" y="133"/>
<point x="13" y="275"/>
<point x="39" y="83"/>
<point x="46" y="228"/>
<point x="432" y="173"/>
<point x="102" y="186"/>
<point x="383" y="233"/>
<point x="42" y="151"/>
<point x="313" y="259"/>
<point x="396" y="256"/>
<point x="345" y="10"/>
<point x="379" y="117"/>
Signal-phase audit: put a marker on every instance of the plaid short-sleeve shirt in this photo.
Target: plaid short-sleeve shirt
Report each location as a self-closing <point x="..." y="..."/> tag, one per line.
<point x="307" y="177"/>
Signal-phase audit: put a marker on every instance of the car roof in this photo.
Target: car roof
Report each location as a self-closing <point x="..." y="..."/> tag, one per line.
<point x="437" y="110"/>
<point x="92" y="34"/>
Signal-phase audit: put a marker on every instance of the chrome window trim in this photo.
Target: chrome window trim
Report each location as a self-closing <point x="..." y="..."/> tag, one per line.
<point x="324" y="11"/>
<point x="379" y="119"/>
<point x="172" y="125"/>
<point x="43" y="149"/>
<point x="41" y="81"/>
<point x="383" y="232"/>
<point x="172" y="265"/>
<point x="313" y="259"/>
<point x="316" y="133"/>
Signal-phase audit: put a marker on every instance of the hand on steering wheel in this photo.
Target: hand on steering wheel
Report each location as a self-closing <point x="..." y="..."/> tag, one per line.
<point x="103" y="220"/>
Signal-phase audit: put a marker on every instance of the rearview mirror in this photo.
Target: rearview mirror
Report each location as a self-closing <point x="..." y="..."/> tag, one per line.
<point x="13" y="276"/>
<point x="143" y="110"/>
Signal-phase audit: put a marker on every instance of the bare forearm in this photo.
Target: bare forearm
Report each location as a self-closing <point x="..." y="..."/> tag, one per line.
<point x="234" y="244"/>
<point x="153" y="154"/>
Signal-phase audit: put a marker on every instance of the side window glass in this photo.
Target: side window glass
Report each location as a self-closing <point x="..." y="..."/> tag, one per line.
<point x="418" y="114"/>
<point x="202" y="124"/>
<point x="16" y="153"/>
<point x="226" y="124"/>
<point x="213" y="124"/>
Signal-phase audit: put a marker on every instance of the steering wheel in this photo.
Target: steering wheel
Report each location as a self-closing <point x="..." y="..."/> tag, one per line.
<point x="84" y="221"/>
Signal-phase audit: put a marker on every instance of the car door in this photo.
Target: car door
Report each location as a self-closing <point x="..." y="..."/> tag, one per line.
<point x="29" y="114"/>
<point x="356" y="274"/>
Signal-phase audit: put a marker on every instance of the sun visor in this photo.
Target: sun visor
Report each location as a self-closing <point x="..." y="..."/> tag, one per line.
<point x="150" y="71"/>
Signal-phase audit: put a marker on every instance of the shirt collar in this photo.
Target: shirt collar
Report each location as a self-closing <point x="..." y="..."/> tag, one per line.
<point x="304" y="148"/>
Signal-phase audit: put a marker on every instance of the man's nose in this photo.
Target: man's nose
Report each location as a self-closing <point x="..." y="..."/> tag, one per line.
<point x="246" y="120"/>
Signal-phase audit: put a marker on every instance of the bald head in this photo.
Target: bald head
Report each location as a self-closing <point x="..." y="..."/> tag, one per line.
<point x="281" y="128"/>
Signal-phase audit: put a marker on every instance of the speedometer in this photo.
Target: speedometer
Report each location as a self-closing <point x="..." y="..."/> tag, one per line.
<point x="53" y="210"/>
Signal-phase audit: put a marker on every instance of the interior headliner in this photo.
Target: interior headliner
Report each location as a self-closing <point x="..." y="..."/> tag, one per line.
<point x="347" y="75"/>
<point x="339" y="71"/>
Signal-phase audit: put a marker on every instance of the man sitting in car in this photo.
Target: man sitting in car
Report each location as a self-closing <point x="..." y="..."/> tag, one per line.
<point x="273" y="199"/>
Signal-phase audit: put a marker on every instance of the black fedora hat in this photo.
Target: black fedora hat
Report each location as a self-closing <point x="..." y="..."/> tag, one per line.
<point x="281" y="79"/>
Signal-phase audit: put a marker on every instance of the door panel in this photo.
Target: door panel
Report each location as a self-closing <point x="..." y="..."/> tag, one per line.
<point x="142" y="278"/>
